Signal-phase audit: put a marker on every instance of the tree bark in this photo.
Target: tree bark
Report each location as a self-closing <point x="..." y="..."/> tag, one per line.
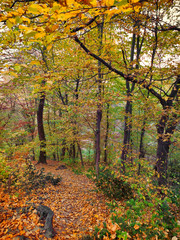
<point x="165" y="130"/>
<point x="80" y="152"/>
<point x="98" y="132"/>
<point x="125" y="155"/>
<point x="127" y="148"/>
<point x="41" y="133"/>
<point x="99" y="105"/>
<point x="107" y="134"/>
<point x="141" y="145"/>
<point x="72" y="151"/>
<point x="63" y="150"/>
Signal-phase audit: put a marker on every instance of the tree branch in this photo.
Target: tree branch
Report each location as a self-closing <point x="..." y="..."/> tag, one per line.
<point x="128" y="77"/>
<point x="85" y="25"/>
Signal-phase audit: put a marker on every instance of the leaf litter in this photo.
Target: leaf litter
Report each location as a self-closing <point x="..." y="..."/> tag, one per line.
<point x="77" y="207"/>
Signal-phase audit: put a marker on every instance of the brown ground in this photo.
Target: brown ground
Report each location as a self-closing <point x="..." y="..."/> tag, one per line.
<point x="76" y="205"/>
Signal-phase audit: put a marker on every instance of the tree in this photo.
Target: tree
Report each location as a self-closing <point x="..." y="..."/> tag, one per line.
<point x="158" y="41"/>
<point x="150" y="78"/>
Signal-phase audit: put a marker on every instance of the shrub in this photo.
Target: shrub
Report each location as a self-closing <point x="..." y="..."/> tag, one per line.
<point x="5" y="170"/>
<point x="29" y="178"/>
<point x="112" y="186"/>
<point x="139" y="219"/>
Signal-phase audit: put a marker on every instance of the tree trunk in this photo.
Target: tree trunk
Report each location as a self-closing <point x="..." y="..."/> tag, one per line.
<point x="72" y="151"/>
<point x="107" y="133"/>
<point x="141" y="146"/>
<point x="165" y="130"/>
<point x="80" y="152"/>
<point x="41" y="133"/>
<point x="33" y="151"/>
<point x="125" y="155"/>
<point x="98" y="132"/>
<point x="127" y="142"/>
<point x="162" y="160"/>
<point x="99" y="105"/>
<point x="63" y="150"/>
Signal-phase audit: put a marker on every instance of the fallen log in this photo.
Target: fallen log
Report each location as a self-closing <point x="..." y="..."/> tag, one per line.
<point x="45" y="213"/>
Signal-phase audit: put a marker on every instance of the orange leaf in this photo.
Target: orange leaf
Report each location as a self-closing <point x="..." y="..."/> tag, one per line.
<point x="136" y="227"/>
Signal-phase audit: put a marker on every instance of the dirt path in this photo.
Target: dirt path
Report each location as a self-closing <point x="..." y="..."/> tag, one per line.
<point x="76" y="204"/>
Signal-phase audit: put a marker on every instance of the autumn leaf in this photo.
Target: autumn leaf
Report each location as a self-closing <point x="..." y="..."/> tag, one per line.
<point x="136" y="226"/>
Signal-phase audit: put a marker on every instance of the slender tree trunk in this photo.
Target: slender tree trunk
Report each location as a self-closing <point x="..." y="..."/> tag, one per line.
<point x="165" y="130"/>
<point x="63" y="150"/>
<point x="73" y="147"/>
<point x="40" y="123"/>
<point x="126" y="150"/>
<point x="127" y="147"/>
<point x="141" y="145"/>
<point x="33" y="152"/>
<point x="98" y="134"/>
<point x="99" y="105"/>
<point x="80" y="152"/>
<point x="57" y="149"/>
<point x="41" y="133"/>
<point x="107" y="134"/>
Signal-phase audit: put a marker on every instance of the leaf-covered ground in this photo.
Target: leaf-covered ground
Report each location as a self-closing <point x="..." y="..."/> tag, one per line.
<point x="76" y="205"/>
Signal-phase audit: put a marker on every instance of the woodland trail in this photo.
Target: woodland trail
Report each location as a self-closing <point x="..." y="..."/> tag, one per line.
<point x="76" y="204"/>
<point x="77" y="207"/>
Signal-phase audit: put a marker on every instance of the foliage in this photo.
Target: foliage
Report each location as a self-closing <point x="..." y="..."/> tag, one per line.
<point x="28" y="178"/>
<point x="54" y="48"/>
<point x="111" y="185"/>
<point x="174" y="170"/>
<point x="140" y="219"/>
<point x="150" y="214"/>
<point x="77" y="171"/>
<point x="37" y="178"/>
<point x="5" y="170"/>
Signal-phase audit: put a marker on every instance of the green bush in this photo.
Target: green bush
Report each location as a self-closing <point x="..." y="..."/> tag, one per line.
<point x="5" y="170"/>
<point x="174" y="172"/>
<point x="112" y="186"/>
<point x="140" y="219"/>
<point x="29" y="178"/>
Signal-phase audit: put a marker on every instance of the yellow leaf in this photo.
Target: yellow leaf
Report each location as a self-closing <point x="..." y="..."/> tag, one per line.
<point x="12" y="20"/>
<point x="20" y="10"/>
<point x="40" y="29"/>
<point x="35" y="9"/>
<point x="35" y="62"/>
<point x="69" y="2"/>
<point x="93" y="3"/>
<point x="14" y="74"/>
<point x="9" y="24"/>
<point x="49" y="47"/>
<point x="133" y="1"/>
<point x="25" y="19"/>
<point x="109" y="3"/>
<point x="40" y="35"/>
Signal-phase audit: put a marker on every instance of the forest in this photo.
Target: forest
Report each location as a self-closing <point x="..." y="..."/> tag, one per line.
<point x="89" y="119"/>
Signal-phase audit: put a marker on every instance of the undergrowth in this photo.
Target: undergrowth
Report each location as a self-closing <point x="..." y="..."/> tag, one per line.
<point x="143" y="214"/>
<point x="113" y="186"/>
<point x="25" y="177"/>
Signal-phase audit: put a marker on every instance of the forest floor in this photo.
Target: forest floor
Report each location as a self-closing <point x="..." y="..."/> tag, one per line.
<point x="77" y="207"/>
